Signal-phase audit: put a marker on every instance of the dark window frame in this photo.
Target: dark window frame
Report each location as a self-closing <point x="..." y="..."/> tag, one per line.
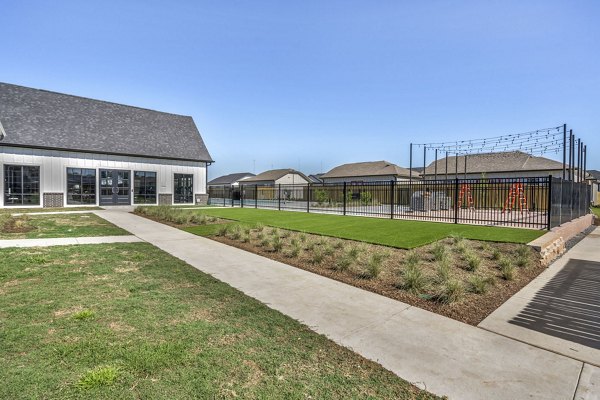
<point x="180" y="197"/>
<point x="144" y="192"/>
<point x="22" y="193"/>
<point x="81" y="195"/>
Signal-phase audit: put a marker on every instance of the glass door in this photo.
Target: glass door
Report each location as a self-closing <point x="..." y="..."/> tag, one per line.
<point x="115" y="187"/>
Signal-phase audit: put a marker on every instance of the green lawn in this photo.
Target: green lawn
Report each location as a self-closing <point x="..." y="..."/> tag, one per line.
<point x="396" y="233"/>
<point x="128" y="321"/>
<point x="59" y="225"/>
<point x="596" y="211"/>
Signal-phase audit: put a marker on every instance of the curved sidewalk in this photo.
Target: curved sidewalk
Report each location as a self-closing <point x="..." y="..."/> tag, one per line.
<point x="443" y="356"/>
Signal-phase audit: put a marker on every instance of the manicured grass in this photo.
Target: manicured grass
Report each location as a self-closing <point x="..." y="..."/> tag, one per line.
<point x="9" y="210"/>
<point x="596" y="211"/>
<point x="396" y="233"/>
<point x="128" y="321"/>
<point x="58" y="225"/>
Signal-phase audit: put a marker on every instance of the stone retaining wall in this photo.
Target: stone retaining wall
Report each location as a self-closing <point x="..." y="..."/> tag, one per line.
<point x="553" y="244"/>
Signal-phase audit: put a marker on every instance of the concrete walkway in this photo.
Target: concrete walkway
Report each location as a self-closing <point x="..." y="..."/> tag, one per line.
<point x="436" y="353"/>
<point x="67" y="241"/>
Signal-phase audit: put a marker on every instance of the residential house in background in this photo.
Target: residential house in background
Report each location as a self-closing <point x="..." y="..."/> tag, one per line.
<point x="370" y="171"/>
<point x="315" y="178"/>
<point x="61" y="150"/>
<point x="594" y="179"/>
<point x="266" y="184"/>
<point x="227" y="186"/>
<point x="514" y="164"/>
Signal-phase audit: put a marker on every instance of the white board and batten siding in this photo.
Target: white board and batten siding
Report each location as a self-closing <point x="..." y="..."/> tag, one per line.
<point x="291" y="179"/>
<point x="54" y="163"/>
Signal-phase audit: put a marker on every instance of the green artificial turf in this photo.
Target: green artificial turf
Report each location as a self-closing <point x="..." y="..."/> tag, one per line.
<point x="396" y="233"/>
<point x="57" y="226"/>
<point x="129" y="321"/>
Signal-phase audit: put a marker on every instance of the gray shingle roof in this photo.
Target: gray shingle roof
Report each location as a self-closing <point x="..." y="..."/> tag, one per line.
<point x="42" y="119"/>
<point x="513" y="161"/>
<point x="369" y="168"/>
<point x="230" y="179"/>
<point x="594" y="174"/>
<point x="274" y="174"/>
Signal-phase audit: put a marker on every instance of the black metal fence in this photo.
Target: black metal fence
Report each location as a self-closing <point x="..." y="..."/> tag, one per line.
<point x="539" y="203"/>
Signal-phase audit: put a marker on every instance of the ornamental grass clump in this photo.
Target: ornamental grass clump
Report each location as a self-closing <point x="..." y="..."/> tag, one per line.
<point x="343" y="263"/>
<point x="317" y="256"/>
<point x="412" y="258"/>
<point x="443" y="271"/>
<point x="353" y="252"/>
<point x="235" y="232"/>
<point x="277" y="244"/>
<point x="294" y="251"/>
<point x="414" y="279"/>
<point x="451" y="292"/>
<point x="439" y="252"/>
<point x="473" y="261"/>
<point x="507" y="269"/>
<point x="374" y="265"/>
<point x="223" y="230"/>
<point x="479" y="284"/>
<point x="496" y="254"/>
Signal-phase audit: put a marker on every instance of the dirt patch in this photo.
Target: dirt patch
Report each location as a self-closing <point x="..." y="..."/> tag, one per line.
<point x="18" y="224"/>
<point x="472" y="306"/>
<point x="68" y="311"/>
<point x="120" y="327"/>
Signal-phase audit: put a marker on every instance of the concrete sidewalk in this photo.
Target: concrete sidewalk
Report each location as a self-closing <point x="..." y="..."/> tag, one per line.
<point x="67" y="241"/>
<point x="443" y="356"/>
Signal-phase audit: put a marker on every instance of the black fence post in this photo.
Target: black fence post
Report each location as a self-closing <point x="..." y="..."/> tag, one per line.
<point x="279" y="197"/>
<point x="223" y="193"/>
<point x="255" y="196"/>
<point x="344" y="197"/>
<point x="241" y="196"/>
<point x="308" y="198"/>
<point x="456" y="200"/>
<point x="549" y="202"/>
<point x="392" y="188"/>
<point x="231" y="195"/>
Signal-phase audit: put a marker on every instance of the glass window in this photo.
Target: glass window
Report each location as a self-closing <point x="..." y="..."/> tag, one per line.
<point x="81" y="186"/>
<point x="144" y="187"/>
<point x="21" y="185"/>
<point x="183" y="188"/>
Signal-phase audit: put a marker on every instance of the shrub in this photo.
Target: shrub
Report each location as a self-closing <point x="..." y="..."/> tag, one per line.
<point x="277" y="243"/>
<point x="473" y="262"/>
<point x="496" y="254"/>
<point x="294" y="251"/>
<point x="199" y="219"/>
<point x="451" y="292"/>
<point x="245" y="238"/>
<point x="412" y="258"/>
<point x="366" y="198"/>
<point x="317" y="256"/>
<point x="310" y="245"/>
<point x="523" y="261"/>
<point x="439" y="252"/>
<point x="456" y="237"/>
<point x="235" y="232"/>
<point x="302" y="237"/>
<point x="265" y="242"/>
<point x="338" y="244"/>
<point x="443" y="271"/>
<point x="374" y="265"/>
<point x="259" y="227"/>
<point x="507" y="269"/>
<point x="275" y="232"/>
<point x="222" y="230"/>
<point x="343" y="263"/>
<point x="321" y="196"/>
<point x="461" y="247"/>
<point x="260" y="235"/>
<point x="328" y="249"/>
<point x="479" y="284"/>
<point x="415" y="281"/>
<point x="285" y="234"/>
<point x="353" y="252"/>
<point x="523" y="251"/>
<point x="294" y="242"/>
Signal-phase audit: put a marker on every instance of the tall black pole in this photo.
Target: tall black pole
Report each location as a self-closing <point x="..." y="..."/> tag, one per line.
<point x="410" y="168"/>
<point x="585" y="163"/>
<point x="465" y="166"/>
<point x="578" y="160"/>
<point x="564" y="151"/>
<point x="424" y="160"/>
<point x="446" y="166"/>
<point x="436" y="160"/>
<point x="571" y="154"/>
<point x="456" y="166"/>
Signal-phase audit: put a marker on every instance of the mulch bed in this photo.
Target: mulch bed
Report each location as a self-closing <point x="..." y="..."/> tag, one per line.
<point x="471" y="309"/>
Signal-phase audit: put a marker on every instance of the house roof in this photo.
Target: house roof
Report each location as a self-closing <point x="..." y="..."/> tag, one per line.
<point x="512" y="161"/>
<point x="274" y="174"/>
<point x="315" y="178"/>
<point x="230" y="179"/>
<point x="369" y="168"/>
<point x="43" y="119"/>
<point x="594" y="173"/>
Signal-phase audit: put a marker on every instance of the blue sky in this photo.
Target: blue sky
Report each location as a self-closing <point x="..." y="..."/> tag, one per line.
<point x="313" y="84"/>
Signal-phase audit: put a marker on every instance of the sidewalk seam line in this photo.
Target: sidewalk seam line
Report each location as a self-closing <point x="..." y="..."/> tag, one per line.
<point x="578" y="381"/>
